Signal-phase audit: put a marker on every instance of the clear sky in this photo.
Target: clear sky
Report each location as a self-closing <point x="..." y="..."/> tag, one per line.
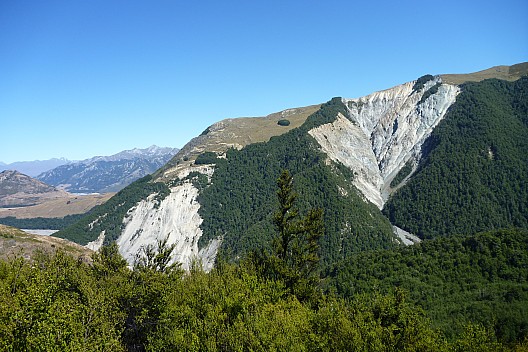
<point x="85" y="78"/>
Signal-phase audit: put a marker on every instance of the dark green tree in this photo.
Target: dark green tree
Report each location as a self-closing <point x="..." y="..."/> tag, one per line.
<point x="156" y="258"/>
<point x="295" y="258"/>
<point x="108" y="261"/>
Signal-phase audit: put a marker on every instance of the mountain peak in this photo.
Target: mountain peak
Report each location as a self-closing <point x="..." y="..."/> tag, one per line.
<point x="145" y="153"/>
<point x="13" y="181"/>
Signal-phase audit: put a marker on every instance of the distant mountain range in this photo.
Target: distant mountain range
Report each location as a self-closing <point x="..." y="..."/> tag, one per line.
<point x="34" y="168"/>
<point x="103" y="174"/>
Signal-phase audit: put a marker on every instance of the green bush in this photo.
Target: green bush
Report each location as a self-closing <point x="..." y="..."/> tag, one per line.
<point x="206" y="158"/>
<point x="420" y="82"/>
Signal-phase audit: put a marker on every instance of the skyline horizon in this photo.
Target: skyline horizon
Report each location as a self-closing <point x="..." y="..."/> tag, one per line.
<point x="93" y="78"/>
<point x="180" y="147"/>
<point x="85" y="159"/>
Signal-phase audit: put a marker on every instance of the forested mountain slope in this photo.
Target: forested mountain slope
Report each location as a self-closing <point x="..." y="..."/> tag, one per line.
<point x="348" y="156"/>
<point x="459" y="279"/>
<point x="474" y="173"/>
<point x="236" y="202"/>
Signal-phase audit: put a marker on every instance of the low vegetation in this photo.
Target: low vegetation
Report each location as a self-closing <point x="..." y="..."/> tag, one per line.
<point x="14" y="242"/>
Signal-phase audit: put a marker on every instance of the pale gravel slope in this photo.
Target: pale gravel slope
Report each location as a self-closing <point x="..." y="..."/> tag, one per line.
<point x="382" y="132"/>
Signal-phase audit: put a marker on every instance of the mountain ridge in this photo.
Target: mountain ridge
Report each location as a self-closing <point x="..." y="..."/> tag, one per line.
<point x="34" y="168"/>
<point x="104" y="174"/>
<point x="18" y="190"/>
<point x="188" y="183"/>
<point x="507" y="73"/>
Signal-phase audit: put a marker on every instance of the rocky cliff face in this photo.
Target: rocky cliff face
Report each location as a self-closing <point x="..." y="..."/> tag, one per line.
<point x="383" y="131"/>
<point x="175" y="217"/>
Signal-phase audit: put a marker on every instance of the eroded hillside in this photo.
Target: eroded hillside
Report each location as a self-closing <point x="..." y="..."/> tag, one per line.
<point x="218" y="193"/>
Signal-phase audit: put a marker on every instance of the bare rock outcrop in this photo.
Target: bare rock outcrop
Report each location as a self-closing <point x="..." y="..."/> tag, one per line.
<point x="383" y="131"/>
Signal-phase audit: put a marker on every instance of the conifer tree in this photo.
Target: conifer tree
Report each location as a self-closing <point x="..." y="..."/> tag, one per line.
<point x="295" y="254"/>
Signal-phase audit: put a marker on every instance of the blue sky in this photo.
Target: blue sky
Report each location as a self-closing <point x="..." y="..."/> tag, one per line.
<point x="85" y="78"/>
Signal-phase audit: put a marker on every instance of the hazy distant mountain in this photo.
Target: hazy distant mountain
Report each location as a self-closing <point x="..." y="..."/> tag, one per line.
<point x="103" y="174"/>
<point x="34" y="168"/>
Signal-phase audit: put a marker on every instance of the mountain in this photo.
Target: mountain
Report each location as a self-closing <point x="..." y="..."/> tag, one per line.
<point x="17" y="190"/>
<point x="102" y="174"/>
<point x="473" y="174"/>
<point x="375" y="164"/>
<point x="506" y="73"/>
<point x="34" y="168"/>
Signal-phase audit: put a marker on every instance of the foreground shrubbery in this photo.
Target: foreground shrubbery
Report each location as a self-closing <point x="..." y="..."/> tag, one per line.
<point x="457" y="279"/>
<point x="59" y="303"/>
<point x="270" y="301"/>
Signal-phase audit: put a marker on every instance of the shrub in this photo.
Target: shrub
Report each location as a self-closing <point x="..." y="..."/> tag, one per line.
<point x="206" y="158"/>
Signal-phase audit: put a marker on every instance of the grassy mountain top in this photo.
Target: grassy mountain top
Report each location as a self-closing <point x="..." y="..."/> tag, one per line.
<point x="237" y="133"/>
<point x="507" y="73"/>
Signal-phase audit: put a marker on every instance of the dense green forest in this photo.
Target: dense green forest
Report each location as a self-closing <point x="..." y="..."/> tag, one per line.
<point x="238" y="203"/>
<point x="42" y="223"/>
<point x="473" y="176"/>
<point x="59" y="303"/>
<point x="457" y="279"/>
